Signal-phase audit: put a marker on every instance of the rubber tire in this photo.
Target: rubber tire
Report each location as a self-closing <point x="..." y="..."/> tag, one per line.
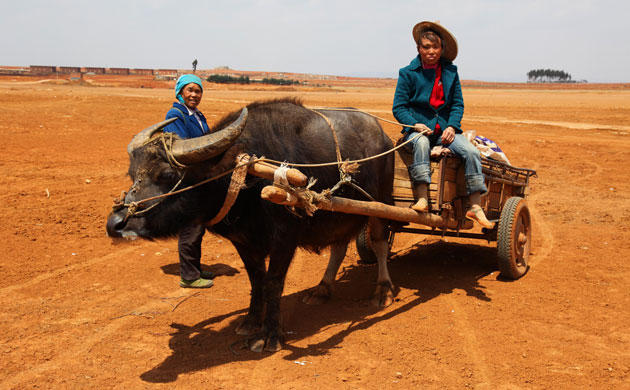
<point x="514" y="226"/>
<point x="365" y="248"/>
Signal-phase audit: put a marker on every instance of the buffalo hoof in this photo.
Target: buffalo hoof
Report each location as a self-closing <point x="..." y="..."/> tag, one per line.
<point x="383" y="295"/>
<point x="318" y="295"/>
<point x="270" y="344"/>
<point x="273" y="344"/>
<point x="248" y="327"/>
<point x="257" y="345"/>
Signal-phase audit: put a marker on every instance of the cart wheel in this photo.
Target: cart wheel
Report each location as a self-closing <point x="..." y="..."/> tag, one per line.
<point x="514" y="238"/>
<point x="365" y="248"/>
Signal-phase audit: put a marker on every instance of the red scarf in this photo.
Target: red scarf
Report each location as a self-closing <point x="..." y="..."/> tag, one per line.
<point x="437" y="93"/>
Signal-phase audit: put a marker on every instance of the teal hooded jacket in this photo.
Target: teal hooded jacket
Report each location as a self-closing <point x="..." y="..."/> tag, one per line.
<point x="413" y="92"/>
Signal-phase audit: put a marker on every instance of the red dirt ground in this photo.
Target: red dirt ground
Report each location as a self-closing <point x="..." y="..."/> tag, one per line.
<point x="81" y="312"/>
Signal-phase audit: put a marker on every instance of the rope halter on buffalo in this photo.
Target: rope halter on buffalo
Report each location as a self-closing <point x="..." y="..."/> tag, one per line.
<point x="290" y="187"/>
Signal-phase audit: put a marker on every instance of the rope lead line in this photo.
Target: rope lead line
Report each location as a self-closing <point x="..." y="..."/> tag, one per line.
<point x="134" y="205"/>
<point x="345" y="162"/>
<point x="362" y="112"/>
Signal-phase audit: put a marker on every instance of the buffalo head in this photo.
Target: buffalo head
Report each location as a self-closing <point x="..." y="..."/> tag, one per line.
<point x="156" y="171"/>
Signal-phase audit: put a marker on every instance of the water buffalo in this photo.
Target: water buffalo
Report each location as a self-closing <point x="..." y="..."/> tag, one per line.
<point x="281" y="130"/>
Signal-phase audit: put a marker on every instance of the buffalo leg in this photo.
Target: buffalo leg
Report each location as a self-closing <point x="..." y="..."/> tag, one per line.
<point x="383" y="295"/>
<point x="279" y="260"/>
<point x="322" y="292"/>
<point x="255" y="265"/>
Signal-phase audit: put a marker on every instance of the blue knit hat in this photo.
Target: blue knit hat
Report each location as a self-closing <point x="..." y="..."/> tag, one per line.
<point x="184" y="80"/>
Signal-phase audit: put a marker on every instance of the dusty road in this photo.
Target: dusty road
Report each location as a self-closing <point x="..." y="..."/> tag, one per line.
<point x="80" y="312"/>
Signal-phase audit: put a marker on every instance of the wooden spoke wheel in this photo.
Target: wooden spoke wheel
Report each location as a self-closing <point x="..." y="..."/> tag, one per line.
<point x="514" y="238"/>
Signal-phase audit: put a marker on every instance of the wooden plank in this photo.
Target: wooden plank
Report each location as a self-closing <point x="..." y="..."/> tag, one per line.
<point x="453" y="162"/>
<point x="450" y="174"/>
<point x="401" y="172"/>
<point x="402" y="183"/>
<point x="453" y="177"/>
<point x="403" y="195"/>
<point x="494" y="200"/>
<point x="494" y="187"/>
<point x="449" y="191"/>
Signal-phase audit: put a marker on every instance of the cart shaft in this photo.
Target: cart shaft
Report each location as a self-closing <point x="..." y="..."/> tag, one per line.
<point x="373" y="209"/>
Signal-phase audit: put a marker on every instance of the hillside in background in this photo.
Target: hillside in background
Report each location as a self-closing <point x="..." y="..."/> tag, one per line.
<point x="164" y="78"/>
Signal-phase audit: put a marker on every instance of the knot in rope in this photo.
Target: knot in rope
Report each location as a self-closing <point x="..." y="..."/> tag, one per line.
<point x="132" y="208"/>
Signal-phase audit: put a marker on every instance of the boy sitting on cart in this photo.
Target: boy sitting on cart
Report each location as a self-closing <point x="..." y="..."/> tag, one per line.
<point x="429" y="101"/>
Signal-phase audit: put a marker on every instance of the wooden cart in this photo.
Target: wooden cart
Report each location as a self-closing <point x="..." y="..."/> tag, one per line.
<point x="505" y="204"/>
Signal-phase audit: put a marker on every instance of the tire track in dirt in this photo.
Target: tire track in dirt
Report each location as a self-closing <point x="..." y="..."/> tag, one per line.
<point x="548" y="240"/>
<point x="539" y="221"/>
<point x="471" y="346"/>
<point x="598" y="170"/>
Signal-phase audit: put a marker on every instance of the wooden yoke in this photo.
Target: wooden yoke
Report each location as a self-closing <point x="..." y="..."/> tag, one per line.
<point x="267" y="171"/>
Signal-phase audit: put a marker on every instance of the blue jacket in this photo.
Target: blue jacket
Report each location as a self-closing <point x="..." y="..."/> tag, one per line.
<point x="187" y="126"/>
<point x="413" y="92"/>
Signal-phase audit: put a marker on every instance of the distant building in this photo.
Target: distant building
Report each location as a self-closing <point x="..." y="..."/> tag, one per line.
<point x="14" y="70"/>
<point x="122" y="71"/>
<point x="94" y="70"/>
<point x="141" y="71"/>
<point x="68" y="69"/>
<point x="43" y="69"/>
<point x="166" y="72"/>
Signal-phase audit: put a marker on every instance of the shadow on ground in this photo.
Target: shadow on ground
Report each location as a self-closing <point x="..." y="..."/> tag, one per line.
<point x="218" y="269"/>
<point x="428" y="269"/>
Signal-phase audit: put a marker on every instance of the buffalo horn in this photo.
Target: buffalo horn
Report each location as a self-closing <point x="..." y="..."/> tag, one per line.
<point x="145" y="135"/>
<point x="194" y="150"/>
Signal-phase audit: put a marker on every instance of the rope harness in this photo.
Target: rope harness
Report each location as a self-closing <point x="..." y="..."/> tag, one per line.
<point x="244" y="161"/>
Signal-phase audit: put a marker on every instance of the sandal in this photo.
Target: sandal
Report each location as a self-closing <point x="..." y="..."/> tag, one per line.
<point x="476" y="214"/>
<point x="421" y="206"/>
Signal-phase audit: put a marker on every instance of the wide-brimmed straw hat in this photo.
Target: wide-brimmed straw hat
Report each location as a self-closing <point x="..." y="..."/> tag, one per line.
<point x="449" y="40"/>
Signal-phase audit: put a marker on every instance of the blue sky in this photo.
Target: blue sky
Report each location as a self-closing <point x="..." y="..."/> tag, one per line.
<point x="498" y="40"/>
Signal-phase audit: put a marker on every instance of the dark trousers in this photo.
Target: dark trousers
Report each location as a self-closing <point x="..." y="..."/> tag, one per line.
<point x="189" y="246"/>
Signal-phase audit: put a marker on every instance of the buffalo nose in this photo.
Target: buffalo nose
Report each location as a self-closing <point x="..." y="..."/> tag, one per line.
<point x="115" y="225"/>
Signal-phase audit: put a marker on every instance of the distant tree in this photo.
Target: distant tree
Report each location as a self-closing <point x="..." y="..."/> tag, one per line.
<point x="273" y="81"/>
<point x="225" y="79"/>
<point x="548" y="76"/>
<point x="194" y="64"/>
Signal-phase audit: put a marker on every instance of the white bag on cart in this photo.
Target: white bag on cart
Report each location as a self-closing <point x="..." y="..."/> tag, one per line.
<point x="487" y="147"/>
